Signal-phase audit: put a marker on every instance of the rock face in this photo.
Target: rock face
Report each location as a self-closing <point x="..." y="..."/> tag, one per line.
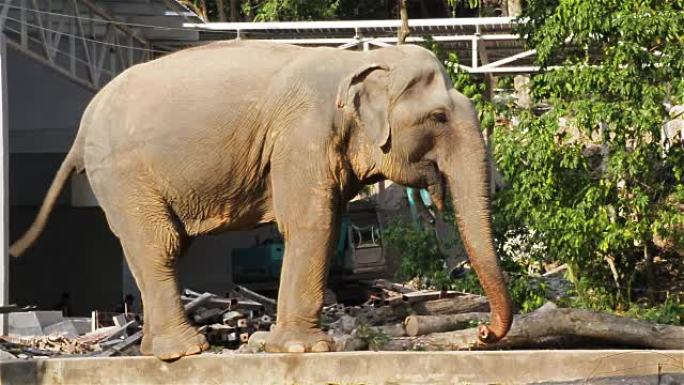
<point x="673" y="131"/>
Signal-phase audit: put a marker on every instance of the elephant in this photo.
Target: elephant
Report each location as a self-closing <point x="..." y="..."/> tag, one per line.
<point x="233" y="134"/>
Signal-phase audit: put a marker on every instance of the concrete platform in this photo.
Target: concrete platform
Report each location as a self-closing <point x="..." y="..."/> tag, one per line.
<point x="355" y="368"/>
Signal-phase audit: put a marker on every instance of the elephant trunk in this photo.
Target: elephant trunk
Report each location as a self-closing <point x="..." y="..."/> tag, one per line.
<point x="467" y="174"/>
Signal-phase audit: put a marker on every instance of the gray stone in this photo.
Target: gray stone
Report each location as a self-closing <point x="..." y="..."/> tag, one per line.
<point x="6" y="355"/>
<point x="82" y="324"/>
<point x="32" y="323"/>
<point x="346" y="324"/>
<point x="671" y="380"/>
<point x="257" y="341"/>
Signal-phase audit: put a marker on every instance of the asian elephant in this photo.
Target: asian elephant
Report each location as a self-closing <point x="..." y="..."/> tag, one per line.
<point x="231" y="135"/>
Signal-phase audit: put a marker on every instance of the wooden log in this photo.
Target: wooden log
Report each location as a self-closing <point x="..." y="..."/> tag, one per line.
<point x="118" y="348"/>
<point x="8" y="309"/>
<point x="399" y="344"/>
<point x="394" y="300"/>
<point x="190" y="293"/>
<point x="467" y="303"/>
<point x="207" y="316"/>
<point x="385" y="315"/>
<point x="197" y="302"/>
<point x="135" y="338"/>
<point x="421" y="296"/>
<point x="395" y="330"/>
<point x="268" y="303"/>
<point x="389" y="285"/>
<point x="418" y="325"/>
<point x="249" y="305"/>
<point x="119" y="331"/>
<point x="214" y="302"/>
<point x="569" y="325"/>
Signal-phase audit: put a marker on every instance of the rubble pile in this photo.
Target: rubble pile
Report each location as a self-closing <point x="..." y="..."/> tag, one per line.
<point x="380" y="323"/>
<point x="229" y="322"/>
<point x="238" y="322"/>
<point x="45" y="346"/>
<point x="394" y="317"/>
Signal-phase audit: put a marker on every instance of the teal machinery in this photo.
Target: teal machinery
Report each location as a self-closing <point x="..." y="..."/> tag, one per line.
<point x="359" y="251"/>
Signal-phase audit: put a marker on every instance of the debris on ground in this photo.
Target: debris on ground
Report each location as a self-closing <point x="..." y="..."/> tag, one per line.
<point x="394" y="317"/>
<point x="44" y="346"/>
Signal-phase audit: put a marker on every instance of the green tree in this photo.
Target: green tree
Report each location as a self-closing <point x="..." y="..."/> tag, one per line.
<point x="591" y="179"/>
<point x="288" y="10"/>
<point x="296" y="10"/>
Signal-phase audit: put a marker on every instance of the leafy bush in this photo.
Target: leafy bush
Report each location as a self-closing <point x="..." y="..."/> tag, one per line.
<point x="420" y="257"/>
<point x="422" y="262"/>
<point x="592" y="182"/>
<point x="591" y="177"/>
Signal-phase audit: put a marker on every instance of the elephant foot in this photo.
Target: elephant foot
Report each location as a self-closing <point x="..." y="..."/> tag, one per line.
<point x="172" y="346"/>
<point x="146" y="345"/>
<point x="297" y="339"/>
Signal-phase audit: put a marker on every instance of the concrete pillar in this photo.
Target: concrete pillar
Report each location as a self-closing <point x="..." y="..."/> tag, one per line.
<point x="4" y="189"/>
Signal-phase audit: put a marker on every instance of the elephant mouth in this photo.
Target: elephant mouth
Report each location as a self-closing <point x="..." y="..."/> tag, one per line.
<point x="435" y="185"/>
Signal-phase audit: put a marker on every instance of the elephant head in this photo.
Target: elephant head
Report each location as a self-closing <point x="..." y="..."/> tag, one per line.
<point x="418" y="131"/>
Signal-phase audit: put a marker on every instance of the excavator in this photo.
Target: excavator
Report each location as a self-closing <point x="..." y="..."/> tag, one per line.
<point x="360" y="255"/>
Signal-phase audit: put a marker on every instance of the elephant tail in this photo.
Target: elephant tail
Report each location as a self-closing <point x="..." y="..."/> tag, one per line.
<point x="70" y="163"/>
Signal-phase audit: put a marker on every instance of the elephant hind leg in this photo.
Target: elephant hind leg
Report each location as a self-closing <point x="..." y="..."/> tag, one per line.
<point x="152" y="242"/>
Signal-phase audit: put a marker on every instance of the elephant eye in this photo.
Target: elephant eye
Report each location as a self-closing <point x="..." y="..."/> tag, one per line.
<point x="439" y="117"/>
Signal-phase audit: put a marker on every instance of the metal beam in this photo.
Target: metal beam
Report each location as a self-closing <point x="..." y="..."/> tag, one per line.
<point x="512" y="70"/>
<point x="55" y="67"/>
<point x="333" y="41"/>
<point x="3" y="13"/>
<point x="4" y="188"/>
<point x="509" y="59"/>
<point x="317" y="25"/>
<point x="105" y="15"/>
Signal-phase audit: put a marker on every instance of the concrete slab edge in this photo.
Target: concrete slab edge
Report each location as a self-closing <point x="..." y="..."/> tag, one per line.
<point x="498" y="367"/>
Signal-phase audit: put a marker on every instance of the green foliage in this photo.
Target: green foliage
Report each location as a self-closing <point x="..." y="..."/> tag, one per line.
<point x="288" y="10"/>
<point x="468" y="3"/>
<point x="590" y="181"/>
<point x="375" y="339"/>
<point x="609" y="95"/>
<point x="671" y="311"/>
<point x="422" y="261"/>
<point x="297" y="10"/>
<point x="473" y="89"/>
<point x="591" y="177"/>
<point x="420" y="256"/>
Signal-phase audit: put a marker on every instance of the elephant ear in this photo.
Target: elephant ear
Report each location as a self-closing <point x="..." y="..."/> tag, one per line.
<point x="368" y="96"/>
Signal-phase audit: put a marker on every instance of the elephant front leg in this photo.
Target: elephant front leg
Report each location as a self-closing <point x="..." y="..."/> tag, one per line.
<point x="300" y="299"/>
<point x="310" y="230"/>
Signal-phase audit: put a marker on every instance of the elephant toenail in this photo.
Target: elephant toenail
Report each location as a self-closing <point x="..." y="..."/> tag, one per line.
<point x="295" y="347"/>
<point x="320" y="347"/>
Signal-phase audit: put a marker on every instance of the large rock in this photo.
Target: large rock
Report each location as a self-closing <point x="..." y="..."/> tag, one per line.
<point x="6" y="355"/>
<point x="32" y="323"/>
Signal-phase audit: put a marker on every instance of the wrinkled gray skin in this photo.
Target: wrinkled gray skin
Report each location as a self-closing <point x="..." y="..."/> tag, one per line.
<point x="234" y="134"/>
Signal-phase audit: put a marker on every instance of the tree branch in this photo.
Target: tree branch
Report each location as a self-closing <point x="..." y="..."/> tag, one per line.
<point x="404" y="31"/>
